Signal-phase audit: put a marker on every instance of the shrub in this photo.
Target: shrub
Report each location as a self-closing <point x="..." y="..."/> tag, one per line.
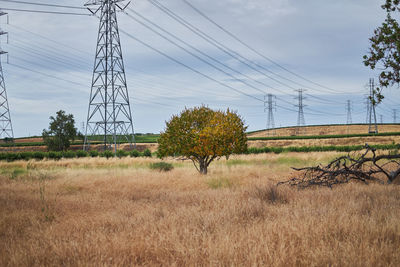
<point x="134" y="153"/>
<point x="122" y="153"/>
<point x="161" y="166"/>
<point x="38" y="155"/>
<point x="26" y="155"/>
<point x="147" y="153"/>
<point x="54" y="155"/>
<point x="81" y="154"/>
<point x="93" y="153"/>
<point x="69" y="154"/>
<point x="13" y="156"/>
<point x="107" y="154"/>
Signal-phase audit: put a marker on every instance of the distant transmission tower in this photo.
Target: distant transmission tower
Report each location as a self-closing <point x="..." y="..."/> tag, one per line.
<point x="348" y="109"/>
<point x="349" y="119"/>
<point x="269" y="105"/>
<point x="373" y="127"/>
<point x="381" y="118"/>
<point x="6" y="130"/>
<point x="300" y="117"/>
<point x="394" y="115"/>
<point x="109" y="113"/>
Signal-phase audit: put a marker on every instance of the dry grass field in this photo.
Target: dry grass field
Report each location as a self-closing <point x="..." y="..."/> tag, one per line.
<point x="372" y="140"/>
<point x="119" y="212"/>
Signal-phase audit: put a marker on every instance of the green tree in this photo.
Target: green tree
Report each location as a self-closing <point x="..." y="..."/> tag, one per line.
<point x="384" y="52"/>
<point x="61" y="132"/>
<point x="203" y="135"/>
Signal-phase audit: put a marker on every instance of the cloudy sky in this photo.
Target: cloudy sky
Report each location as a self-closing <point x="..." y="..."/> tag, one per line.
<point x="314" y="45"/>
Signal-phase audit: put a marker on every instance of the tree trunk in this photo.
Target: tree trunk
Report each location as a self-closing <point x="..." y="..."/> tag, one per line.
<point x="203" y="166"/>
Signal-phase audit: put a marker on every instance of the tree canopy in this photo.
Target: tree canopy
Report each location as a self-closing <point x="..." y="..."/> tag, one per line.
<point x="61" y="132"/>
<point x="384" y="52"/>
<point x="203" y="135"/>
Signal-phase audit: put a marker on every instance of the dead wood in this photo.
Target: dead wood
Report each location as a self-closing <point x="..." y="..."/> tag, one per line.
<point x="365" y="167"/>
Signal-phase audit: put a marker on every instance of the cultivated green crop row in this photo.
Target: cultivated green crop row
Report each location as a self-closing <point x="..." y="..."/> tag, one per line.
<point x="12" y="156"/>
<point x="321" y="136"/>
<point x="138" y="139"/>
<point x="147" y="153"/>
<point x="278" y="150"/>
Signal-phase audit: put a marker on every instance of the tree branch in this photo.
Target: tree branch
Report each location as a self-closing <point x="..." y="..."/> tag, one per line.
<point x="346" y="168"/>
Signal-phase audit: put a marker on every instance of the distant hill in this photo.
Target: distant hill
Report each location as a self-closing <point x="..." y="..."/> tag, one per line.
<point x="334" y="129"/>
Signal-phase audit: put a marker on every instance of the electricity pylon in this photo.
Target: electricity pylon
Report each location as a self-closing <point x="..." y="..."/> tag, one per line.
<point x="373" y="127"/>
<point x="349" y="119"/>
<point x="348" y="109"/>
<point x="269" y="105"/>
<point x="6" y="130"/>
<point x="109" y="113"/>
<point x="300" y="117"/>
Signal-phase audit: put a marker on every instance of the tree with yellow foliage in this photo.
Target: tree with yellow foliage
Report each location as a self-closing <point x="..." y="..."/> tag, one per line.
<point x="203" y="135"/>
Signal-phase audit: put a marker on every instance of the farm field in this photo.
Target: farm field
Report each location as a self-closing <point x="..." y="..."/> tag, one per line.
<point x="149" y="141"/>
<point x="95" y="212"/>
<point x="339" y="129"/>
<point x="372" y="140"/>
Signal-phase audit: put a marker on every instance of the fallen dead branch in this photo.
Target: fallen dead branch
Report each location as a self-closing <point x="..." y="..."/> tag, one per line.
<point x="365" y="167"/>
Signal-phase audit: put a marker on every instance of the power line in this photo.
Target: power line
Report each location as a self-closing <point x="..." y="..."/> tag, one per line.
<point x="61" y="61"/>
<point x="48" y="39"/>
<point x="72" y="82"/>
<point x="247" y="62"/>
<point x="51" y="59"/>
<point x="46" y="12"/>
<point x="45" y="74"/>
<point x="198" y="57"/>
<point x="188" y="67"/>
<point x="41" y="4"/>
<point x="49" y="50"/>
<point x="252" y="49"/>
<point x="324" y="100"/>
<point x="194" y="48"/>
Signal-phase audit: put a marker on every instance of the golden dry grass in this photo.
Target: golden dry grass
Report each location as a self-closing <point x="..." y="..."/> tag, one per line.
<point x="97" y="212"/>
<point x="372" y="140"/>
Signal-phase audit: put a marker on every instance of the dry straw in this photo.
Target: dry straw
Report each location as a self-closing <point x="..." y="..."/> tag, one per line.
<point x="120" y="212"/>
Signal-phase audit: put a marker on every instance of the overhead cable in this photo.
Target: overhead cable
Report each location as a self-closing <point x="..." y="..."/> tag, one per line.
<point x="46" y="12"/>
<point x="41" y="4"/>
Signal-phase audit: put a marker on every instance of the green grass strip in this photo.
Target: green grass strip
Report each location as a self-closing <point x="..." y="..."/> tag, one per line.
<point x="320" y="136"/>
<point x="278" y="150"/>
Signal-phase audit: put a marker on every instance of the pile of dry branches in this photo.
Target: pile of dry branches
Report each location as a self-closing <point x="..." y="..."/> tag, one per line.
<point x="365" y="167"/>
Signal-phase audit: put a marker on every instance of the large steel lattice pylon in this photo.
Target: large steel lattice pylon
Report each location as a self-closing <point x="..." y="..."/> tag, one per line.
<point x="6" y="130"/>
<point x="109" y="116"/>
<point x="300" y="117"/>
